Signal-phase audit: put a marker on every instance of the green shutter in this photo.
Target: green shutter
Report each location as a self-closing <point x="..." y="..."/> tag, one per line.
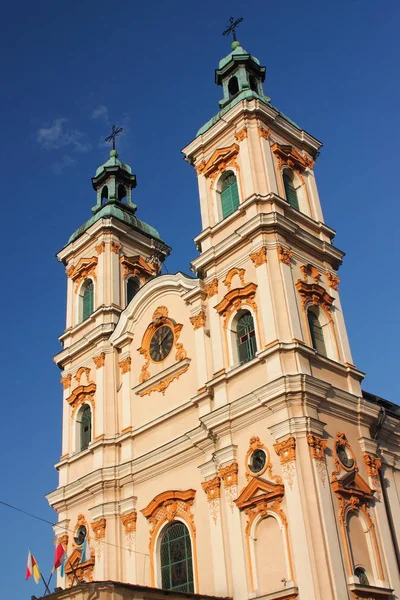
<point x="87" y="301"/>
<point x="290" y="191"/>
<point x="86" y="427"/>
<point x="316" y="332"/>
<point x="229" y="196"/>
<point x="246" y="338"/>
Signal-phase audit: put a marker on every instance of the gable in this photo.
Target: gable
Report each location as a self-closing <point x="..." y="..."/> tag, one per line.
<point x="259" y="490"/>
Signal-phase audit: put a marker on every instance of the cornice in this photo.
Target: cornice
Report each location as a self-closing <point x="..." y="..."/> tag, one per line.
<point x="90" y="339"/>
<point x="107" y="226"/>
<point x="271" y="222"/>
<point x="254" y="109"/>
<point x="157" y="382"/>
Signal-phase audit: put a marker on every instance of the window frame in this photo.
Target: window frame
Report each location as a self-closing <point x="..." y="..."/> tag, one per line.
<point x="313" y="339"/>
<point x="219" y="208"/>
<point x="81" y="296"/>
<point x="231" y="331"/>
<point x="127" y="280"/>
<point x="158" y="562"/>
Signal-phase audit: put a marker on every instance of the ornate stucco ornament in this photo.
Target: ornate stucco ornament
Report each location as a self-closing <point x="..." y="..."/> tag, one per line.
<point x="313" y="293"/>
<point x="85" y="268"/>
<point x="333" y="281"/>
<point x="99" y="360"/>
<point x="198" y="320"/>
<point x="235" y="299"/>
<point x="220" y="161"/>
<point x="211" y="288"/>
<point x="285" y="255"/>
<point x="259" y="257"/>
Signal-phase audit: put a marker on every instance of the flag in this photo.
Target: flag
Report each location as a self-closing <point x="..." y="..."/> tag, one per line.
<point x="85" y="551"/>
<point x="32" y="568"/>
<point x="60" y="558"/>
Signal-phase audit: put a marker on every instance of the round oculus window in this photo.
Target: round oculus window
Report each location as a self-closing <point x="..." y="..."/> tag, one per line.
<point x="257" y="461"/>
<point x="80" y="535"/>
<point x="345" y="458"/>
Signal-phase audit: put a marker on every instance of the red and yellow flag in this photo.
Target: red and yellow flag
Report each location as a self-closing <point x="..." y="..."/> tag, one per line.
<point x="32" y="568"/>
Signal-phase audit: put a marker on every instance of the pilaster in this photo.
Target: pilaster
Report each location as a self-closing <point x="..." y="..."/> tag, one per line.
<point x="212" y="489"/>
<point x="128" y="520"/>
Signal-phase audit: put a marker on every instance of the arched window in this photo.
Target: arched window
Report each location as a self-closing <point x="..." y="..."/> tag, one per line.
<point x="85" y="427"/>
<point x="233" y="86"/>
<point x="87" y="299"/>
<point x="121" y="193"/>
<point x="361" y="573"/>
<point x="290" y="188"/>
<point x="253" y="83"/>
<point x="176" y="558"/>
<point x="317" y="335"/>
<point x="104" y="195"/>
<point x="246" y="338"/>
<point x="132" y="287"/>
<point x="229" y="195"/>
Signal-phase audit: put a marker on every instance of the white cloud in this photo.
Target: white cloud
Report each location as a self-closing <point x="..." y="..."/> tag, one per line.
<point x="66" y="161"/>
<point x="56" y="137"/>
<point x="101" y="112"/>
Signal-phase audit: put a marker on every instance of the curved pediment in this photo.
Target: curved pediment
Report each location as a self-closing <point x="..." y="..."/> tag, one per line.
<point x="153" y="291"/>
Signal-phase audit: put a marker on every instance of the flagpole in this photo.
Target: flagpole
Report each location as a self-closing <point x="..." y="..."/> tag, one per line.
<point x="45" y="584"/>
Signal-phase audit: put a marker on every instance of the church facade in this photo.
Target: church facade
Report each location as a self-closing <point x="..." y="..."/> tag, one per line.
<point x="215" y="437"/>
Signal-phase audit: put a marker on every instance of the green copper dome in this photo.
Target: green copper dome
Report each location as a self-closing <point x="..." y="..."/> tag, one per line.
<point x="120" y="213"/>
<point x="113" y="162"/>
<point x="237" y="51"/>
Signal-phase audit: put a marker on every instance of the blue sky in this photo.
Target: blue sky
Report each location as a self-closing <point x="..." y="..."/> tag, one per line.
<point x="70" y="70"/>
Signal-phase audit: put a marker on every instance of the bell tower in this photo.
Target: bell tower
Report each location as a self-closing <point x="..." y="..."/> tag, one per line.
<point x="262" y="219"/>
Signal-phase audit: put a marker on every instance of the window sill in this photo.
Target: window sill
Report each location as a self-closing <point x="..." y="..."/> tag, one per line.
<point x="382" y="592"/>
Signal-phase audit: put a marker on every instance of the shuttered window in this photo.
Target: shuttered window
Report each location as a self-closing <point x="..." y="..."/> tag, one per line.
<point x="290" y="191"/>
<point x="176" y="559"/>
<point x="246" y="338"/>
<point x="86" y="427"/>
<point x="229" y="196"/>
<point x="317" y="336"/>
<point x="87" y="300"/>
<point x="132" y="287"/>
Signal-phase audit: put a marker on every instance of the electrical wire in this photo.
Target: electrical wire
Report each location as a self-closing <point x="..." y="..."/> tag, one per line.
<point x="29" y="514"/>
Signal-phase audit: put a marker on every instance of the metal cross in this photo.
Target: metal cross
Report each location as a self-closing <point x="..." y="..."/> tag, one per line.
<point x="114" y="132"/>
<point x="232" y="27"/>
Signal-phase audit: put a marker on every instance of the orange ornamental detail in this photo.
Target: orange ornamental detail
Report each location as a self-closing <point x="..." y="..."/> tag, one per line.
<point x="219" y="162"/>
<point x="212" y="488"/>
<point x="80" y="372"/>
<point x="125" y="365"/>
<point x="198" y="320"/>
<point x="99" y="360"/>
<point x="129" y="521"/>
<point x="66" y="381"/>
<point x="313" y="293"/>
<point x="85" y="268"/>
<point x="63" y="539"/>
<point x="256" y="444"/>
<point x="235" y="299"/>
<point x="161" y="386"/>
<point x="288" y="155"/>
<point x="99" y="529"/>
<point x="100" y="247"/>
<point x="286" y="450"/>
<point x="285" y="255"/>
<point x="211" y="288"/>
<point x="115" y="247"/>
<point x="74" y="569"/>
<point x="317" y="446"/>
<point x="264" y="133"/>
<point x="229" y="474"/>
<point x="258" y="497"/>
<point x="165" y="508"/>
<point x="351" y="461"/>
<point x="372" y="465"/>
<point x="259" y="257"/>
<point x="233" y="273"/>
<point x="241" y="134"/>
<point x="82" y="395"/>
<point x="160" y="317"/>
<point x="310" y="270"/>
<point x="138" y="267"/>
<point x="333" y="281"/>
